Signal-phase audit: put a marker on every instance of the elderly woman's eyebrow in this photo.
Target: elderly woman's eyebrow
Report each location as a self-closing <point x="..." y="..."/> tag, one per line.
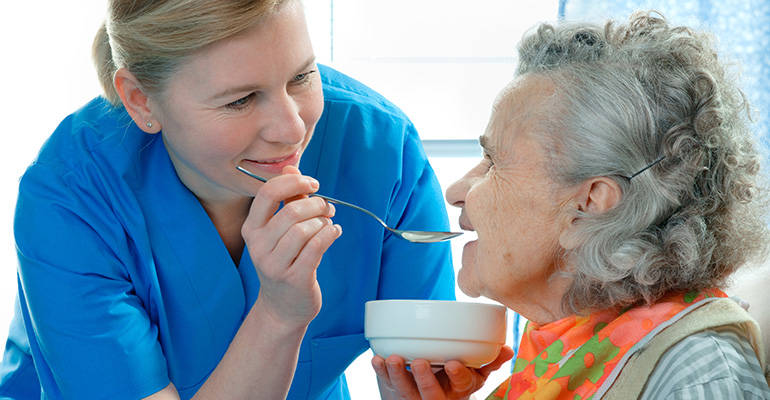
<point x="486" y="147"/>
<point x="484" y="142"/>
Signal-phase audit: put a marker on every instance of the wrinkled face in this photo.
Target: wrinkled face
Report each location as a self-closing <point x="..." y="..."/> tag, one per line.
<point x="510" y="201"/>
<point x="252" y="100"/>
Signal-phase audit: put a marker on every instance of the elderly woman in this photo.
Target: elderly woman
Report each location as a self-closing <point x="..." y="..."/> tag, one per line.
<point x="150" y="267"/>
<point x="619" y="190"/>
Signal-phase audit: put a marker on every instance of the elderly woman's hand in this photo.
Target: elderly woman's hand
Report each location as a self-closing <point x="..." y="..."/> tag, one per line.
<point x="454" y="381"/>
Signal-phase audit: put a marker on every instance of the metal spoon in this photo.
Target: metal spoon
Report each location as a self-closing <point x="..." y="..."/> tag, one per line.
<point x="411" y="236"/>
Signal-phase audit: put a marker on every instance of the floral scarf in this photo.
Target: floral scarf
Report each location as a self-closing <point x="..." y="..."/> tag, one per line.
<point x="572" y="358"/>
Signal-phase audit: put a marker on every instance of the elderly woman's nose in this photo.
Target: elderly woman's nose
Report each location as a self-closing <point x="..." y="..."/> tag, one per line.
<point x="455" y="193"/>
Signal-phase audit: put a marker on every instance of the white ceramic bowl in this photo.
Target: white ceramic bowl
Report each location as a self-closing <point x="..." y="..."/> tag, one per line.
<point x="435" y="330"/>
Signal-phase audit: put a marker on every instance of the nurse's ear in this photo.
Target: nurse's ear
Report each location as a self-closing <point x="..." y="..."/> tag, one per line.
<point x="135" y="100"/>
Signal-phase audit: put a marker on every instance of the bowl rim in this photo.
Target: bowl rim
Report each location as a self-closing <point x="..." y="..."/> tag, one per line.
<point x="437" y="302"/>
<point x="414" y="319"/>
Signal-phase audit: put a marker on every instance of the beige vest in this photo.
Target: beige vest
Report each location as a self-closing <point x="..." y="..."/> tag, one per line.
<point x="629" y="384"/>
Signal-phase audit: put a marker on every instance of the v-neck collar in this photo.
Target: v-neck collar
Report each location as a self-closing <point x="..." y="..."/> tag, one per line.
<point x="186" y="228"/>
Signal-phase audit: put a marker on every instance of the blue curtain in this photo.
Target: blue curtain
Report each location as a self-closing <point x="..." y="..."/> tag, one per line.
<point x="742" y="27"/>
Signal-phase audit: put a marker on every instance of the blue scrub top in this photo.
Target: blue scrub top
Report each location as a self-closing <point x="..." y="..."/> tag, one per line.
<point x="125" y="284"/>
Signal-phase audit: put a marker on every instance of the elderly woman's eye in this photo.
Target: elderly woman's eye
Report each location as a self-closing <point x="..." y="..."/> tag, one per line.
<point x="488" y="161"/>
<point x="489" y="164"/>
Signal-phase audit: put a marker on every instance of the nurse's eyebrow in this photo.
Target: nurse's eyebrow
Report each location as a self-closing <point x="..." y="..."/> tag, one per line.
<point x="253" y="87"/>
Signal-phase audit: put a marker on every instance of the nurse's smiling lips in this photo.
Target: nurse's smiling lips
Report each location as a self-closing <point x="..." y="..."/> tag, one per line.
<point x="272" y="165"/>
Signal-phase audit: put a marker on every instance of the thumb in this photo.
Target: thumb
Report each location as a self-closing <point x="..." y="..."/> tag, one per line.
<point x="461" y="378"/>
<point x="506" y="353"/>
<point x="292" y="170"/>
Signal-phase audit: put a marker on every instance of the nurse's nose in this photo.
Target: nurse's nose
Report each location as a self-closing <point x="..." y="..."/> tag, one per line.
<point x="286" y="124"/>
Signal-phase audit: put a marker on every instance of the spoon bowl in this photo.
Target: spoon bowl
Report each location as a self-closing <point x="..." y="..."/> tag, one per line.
<point x="408" y="235"/>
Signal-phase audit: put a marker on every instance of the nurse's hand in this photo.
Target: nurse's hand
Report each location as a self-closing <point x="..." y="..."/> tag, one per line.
<point x="286" y="247"/>
<point x="454" y="381"/>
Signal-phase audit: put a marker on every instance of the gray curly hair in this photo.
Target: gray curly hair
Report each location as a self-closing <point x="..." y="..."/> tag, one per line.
<point x="627" y="95"/>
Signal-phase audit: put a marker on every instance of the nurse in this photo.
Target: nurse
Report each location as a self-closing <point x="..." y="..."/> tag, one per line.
<point x="149" y="267"/>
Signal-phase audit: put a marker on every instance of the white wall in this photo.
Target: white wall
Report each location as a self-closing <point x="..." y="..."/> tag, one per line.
<point x="45" y="74"/>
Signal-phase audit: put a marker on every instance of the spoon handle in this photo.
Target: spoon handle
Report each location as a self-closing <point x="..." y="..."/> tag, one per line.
<point x="327" y="198"/>
<point x="247" y="172"/>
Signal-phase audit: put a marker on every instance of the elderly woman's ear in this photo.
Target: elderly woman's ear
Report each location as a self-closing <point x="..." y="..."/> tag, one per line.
<point x="594" y="196"/>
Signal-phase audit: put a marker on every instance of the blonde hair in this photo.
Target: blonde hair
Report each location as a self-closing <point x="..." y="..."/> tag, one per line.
<point x="152" y="38"/>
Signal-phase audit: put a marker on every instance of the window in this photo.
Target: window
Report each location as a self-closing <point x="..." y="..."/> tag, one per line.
<point x="441" y="61"/>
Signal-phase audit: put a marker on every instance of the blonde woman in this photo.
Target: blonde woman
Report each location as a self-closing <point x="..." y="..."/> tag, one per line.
<point x="149" y="267"/>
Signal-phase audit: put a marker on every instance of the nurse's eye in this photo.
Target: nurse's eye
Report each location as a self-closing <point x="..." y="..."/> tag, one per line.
<point x="241" y="103"/>
<point x="303" y="78"/>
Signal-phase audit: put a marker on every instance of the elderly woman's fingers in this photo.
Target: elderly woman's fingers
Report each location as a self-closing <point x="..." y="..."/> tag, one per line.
<point x="462" y="380"/>
<point x="381" y="370"/>
<point x="506" y="353"/>
<point x="401" y="380"/>
<point x="378" y="364"/>
<point x="456" y="381"/>
<point x="427" y="383"/>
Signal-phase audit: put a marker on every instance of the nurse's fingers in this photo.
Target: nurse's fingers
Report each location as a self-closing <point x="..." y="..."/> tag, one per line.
<point x="292" y="170"/>
<point x="283" y="188"/>
<point x="312" y="251"/>
<point x="302" y="246"/>
<point x="284" y="236"/>
<point x="263" y="228"/>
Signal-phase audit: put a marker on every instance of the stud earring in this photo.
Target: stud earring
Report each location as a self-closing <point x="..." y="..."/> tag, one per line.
<point x="149" y="124"/>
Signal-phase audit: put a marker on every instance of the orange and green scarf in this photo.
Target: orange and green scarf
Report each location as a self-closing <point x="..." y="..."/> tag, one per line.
<point x="572" y="358"/>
